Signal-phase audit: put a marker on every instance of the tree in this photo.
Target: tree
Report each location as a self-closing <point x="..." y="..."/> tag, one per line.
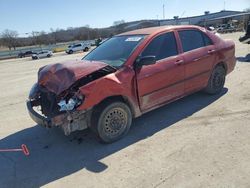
<point x="39" y="38"/>
<point x="54" y="35"/>
<point x="9" y="38"/>
<point x="119" y="22"/>
<point x="247" y="10"/>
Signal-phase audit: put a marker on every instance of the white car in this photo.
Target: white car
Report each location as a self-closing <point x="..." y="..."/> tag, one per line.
<point x="42" y="54"/>
<point x="78" y="47"/>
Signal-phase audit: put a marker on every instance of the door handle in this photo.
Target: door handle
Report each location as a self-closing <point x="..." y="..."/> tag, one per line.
<point x="179" y="62"/>
<point x="198" y="59"/>
<point x="210" y="51"/>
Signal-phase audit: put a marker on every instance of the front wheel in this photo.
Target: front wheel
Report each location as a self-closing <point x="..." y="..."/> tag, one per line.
<point x="113" y="121"/>
<point x="216" y="81"/>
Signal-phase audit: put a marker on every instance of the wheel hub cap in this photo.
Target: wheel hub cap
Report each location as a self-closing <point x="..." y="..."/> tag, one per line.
<point x="115" y="121"/>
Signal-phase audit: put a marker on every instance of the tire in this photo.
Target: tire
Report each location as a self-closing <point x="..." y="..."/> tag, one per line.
<point x="113" y="121"/>
<point x="71" y="52"/>
<point x="216" y="81"/>
<point x="86" y="49"/>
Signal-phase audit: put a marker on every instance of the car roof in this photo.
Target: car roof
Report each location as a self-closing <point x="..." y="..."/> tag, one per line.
<point x="154" y="30"/>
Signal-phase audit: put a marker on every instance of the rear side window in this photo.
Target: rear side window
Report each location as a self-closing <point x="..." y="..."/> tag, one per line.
<point x="162" y="46"/>
<point x="191" y="39"/>
<point x="207" y="40"/>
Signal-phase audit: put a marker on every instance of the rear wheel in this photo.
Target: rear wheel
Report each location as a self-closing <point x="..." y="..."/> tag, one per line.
<point x="48" y="55"/>
<point x="86" y="49"/>
<point x="216" y="81"/>
<point x="112" y="121"/>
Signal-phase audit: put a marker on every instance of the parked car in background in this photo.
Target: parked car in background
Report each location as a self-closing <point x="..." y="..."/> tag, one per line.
<point x="98" y="41"/>
<point x="129" y="75"/>
<point x="103" y="40"/>
<point x="226" y="28"/>
<point x="42" y="54"/>
<point x="78" y="47"/>
<point x="25" y="54"/>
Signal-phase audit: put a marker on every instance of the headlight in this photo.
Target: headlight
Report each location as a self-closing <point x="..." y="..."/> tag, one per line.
<point x="71" y="104"/>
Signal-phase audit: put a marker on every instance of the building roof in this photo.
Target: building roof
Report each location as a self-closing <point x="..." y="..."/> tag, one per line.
<point x="231" y="12"/>
<point x="230" y="16"/>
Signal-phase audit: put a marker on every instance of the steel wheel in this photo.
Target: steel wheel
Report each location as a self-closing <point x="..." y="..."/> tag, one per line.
<point x="114" y="121"/>
<point x="216" y="81"/>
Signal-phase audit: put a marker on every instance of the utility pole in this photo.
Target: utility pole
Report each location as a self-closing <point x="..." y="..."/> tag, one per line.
<point x="163" y="11"/>
<point x="224" y="5"/>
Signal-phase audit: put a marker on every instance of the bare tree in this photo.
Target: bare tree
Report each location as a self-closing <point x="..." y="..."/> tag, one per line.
<point x="247" y="9"/>
<point x="39" y="38"/>
<point x="9" y="38"/>
<point x="119" y="22"/>
<point x="54" y="35"/>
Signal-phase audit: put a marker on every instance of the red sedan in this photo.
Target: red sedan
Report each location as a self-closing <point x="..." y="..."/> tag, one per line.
<point x="129" y="75"/>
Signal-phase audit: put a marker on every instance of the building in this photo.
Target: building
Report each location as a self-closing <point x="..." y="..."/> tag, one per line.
<point x="207" y="19"/>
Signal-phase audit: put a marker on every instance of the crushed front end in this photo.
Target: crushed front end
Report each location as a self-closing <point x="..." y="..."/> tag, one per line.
<point x="55" y="98"/>
<point x="49" y="110"/>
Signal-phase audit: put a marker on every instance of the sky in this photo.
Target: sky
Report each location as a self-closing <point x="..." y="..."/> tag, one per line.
<point x="26" y="16"/>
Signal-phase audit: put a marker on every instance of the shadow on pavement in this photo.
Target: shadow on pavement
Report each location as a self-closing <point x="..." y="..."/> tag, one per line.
<point x="54" y="156"/>
<point x="245" y="59"/>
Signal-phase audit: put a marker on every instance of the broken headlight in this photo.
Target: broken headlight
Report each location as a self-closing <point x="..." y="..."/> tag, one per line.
<point x="72" y="103"/>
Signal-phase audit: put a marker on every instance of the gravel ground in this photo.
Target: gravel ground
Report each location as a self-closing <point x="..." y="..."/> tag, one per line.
<point x="198" y="141"/>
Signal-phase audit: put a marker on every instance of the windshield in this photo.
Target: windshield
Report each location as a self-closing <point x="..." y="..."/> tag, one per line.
<point x="116" y="50"/>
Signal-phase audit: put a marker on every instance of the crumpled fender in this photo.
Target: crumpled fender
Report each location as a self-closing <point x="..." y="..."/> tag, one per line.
<point x="120" y="83"/>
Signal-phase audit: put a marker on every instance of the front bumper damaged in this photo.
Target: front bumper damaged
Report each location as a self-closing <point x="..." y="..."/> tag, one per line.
<point x="68" y="121"/>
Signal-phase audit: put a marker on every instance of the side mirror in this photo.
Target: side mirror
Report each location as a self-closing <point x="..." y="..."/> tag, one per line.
<point x="145" y="60"/>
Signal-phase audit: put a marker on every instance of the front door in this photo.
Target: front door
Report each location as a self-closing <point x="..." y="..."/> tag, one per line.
<point x="162" y="81"/>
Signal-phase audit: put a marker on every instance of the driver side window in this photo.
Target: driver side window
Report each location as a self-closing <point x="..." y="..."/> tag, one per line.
<point x="163" y="46"/>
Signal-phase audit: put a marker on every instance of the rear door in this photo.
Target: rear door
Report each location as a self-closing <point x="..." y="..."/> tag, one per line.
<point x="162" y="81"/>
<point x="199" y="55"/>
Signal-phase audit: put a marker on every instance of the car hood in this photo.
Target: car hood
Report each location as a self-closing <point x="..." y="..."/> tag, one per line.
<point x="60" y="76"/>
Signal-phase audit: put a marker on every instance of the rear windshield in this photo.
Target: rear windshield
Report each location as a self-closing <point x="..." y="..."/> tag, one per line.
<point x="116" y="50"/>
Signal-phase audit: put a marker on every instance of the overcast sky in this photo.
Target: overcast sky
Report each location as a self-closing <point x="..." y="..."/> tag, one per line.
<point x="25" y="16"/>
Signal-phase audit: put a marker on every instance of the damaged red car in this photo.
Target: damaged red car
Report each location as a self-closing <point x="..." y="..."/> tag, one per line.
<point x="127" y="76"/>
